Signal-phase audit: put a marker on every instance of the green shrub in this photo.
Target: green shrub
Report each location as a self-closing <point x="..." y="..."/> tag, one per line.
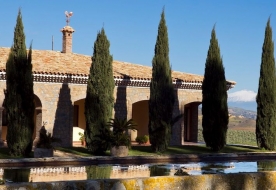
<point x="142" y="139"/>
<point x="82" y="137"/>
<point x="139" y="139"/>
<point x="46" y="140"/>
<point x="119" y="135"/>
<point x="146" y="138"/>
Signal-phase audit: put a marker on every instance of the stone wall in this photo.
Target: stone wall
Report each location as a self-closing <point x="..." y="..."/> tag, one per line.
<point x="57" y="107"/>
<point x="184" y="97"/>
<point x="57" y="100"/>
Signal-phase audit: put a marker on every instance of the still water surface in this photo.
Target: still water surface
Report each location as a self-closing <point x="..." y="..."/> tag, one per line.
<point x="69" y="173"/>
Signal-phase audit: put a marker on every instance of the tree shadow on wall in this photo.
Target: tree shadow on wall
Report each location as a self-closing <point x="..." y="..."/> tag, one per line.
<point x="120" y="106"/>
<point x="177" y="118"/>
<point x="63" y="124"/>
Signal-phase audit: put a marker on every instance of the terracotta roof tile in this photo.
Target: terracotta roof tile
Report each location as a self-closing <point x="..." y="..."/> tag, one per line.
<point x="55" y="62"/>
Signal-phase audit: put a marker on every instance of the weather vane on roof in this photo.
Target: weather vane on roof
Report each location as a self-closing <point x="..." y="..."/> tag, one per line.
<point x="68" y="15"/>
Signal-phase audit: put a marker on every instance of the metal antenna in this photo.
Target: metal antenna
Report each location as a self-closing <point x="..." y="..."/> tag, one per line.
<point x="52" y="42"/>
<point x="68" y="15"/>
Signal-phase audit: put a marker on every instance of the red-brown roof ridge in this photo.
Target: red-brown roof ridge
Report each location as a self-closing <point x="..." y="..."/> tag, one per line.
<point x="57" y="63"/>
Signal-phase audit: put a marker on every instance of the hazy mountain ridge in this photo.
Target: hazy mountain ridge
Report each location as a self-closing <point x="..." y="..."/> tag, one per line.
<point x="235" y="111"/>
<point x="239" y="119"/>
<point x="238" y="112"/>
<point x="252" y="106"/>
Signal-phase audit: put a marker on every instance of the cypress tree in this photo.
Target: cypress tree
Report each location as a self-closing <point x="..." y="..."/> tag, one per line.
<point x="162" y="98"/>
<point x="19" y="96"/>
<point x="214" y="98"/>
<point x="265" y="122"/>
<point x="99" y="100"/>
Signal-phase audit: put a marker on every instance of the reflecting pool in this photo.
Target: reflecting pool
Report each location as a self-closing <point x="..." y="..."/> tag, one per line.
<point x="68" y="173"/>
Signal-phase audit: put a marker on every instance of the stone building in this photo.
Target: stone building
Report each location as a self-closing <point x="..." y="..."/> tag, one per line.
<point x="60" y="80"/>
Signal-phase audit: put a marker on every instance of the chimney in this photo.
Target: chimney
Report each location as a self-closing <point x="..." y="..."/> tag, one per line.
<point x="67" y="33"/>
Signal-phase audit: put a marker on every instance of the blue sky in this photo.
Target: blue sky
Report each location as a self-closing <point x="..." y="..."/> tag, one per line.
<point x="131" y="27"/>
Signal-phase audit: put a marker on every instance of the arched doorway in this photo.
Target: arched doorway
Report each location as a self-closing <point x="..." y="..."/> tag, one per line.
<point x="37" y="120"/>
<point x="191" y="121"/>
<point x="79" y="124"/>
<point x="37" y="116"/>
<point x="140" y="114"/>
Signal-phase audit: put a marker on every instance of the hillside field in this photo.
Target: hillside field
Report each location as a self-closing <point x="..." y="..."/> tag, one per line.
<point x="241" y="130"/>
<point x="236" y="123"/>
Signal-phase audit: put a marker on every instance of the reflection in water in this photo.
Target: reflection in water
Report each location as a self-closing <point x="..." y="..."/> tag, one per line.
<point x="266" y="165"/>
<point x="98" y="172"/>
<point x="16" y="175"/>
<point x="68" y="173"/>
<point x="216" y="168"/>
<point x="159" y="170"/>
<point x="129" y="171"/>
<point x="58" y="173"/>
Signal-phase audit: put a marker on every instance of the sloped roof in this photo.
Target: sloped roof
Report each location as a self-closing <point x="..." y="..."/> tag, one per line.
<point x="55" y="62"/>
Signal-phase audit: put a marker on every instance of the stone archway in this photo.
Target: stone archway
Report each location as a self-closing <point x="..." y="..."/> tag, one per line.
<point x="140" y="114"/>
<point x="191" y="121"/>
<point x="79" y="124"/>
<point x="37" y="120"/>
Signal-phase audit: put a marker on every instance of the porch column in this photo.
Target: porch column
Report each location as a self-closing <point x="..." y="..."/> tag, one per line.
<point x="129" y="109"/>
<point x="129" y="115"/>
<point x="182" y="124"/>
<point x="1" y="140"/>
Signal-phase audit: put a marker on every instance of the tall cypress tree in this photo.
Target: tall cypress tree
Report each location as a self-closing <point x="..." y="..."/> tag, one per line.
<point x="162" y="98"/>
<point x="266" y="121"/>
<point x="99" y="100"/>
<point x="19" y="97"/>
<point x="214" y="98"/>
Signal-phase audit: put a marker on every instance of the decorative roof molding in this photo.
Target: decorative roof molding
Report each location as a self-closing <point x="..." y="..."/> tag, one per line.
<point x="63" y="78"/>
<point x="120" y="82"/>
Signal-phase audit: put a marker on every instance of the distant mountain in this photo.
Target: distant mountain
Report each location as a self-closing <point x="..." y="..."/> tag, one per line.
<point x="239" y="119"/>
<point x="245" y="99"/>
<point x="238" y="112"/>
<point x="252" y="106"/>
